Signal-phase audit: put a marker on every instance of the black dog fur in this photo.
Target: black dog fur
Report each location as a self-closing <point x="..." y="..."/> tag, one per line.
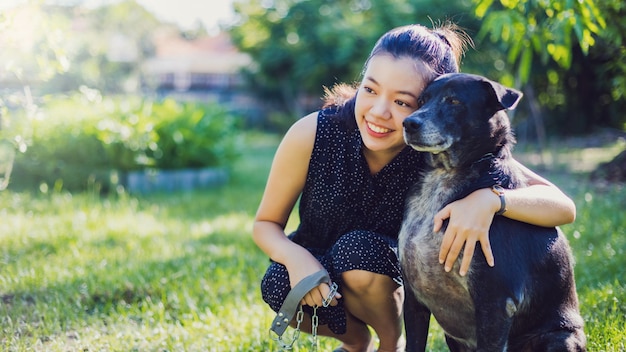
<point x="528" y="301"/>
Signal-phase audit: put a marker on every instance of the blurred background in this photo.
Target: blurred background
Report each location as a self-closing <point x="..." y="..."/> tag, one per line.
<point x="125" y="85"/>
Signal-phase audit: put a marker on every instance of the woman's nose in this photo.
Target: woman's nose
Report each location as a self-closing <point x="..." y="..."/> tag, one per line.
<point x="380" y="108"/>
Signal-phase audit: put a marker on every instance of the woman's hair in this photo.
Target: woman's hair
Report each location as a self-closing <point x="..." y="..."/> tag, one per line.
<point x="440" y="50"/>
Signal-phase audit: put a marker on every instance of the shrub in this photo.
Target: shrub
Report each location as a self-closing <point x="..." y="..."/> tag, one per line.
<point x="77" y="141"/>
<point x="192" y="136"/>
<point x="62" y="149"/>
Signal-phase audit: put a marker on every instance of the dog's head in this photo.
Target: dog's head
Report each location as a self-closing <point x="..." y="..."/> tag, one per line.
<point x="461" y="119"/>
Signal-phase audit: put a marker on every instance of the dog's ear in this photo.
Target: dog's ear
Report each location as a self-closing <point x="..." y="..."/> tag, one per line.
<point x="507" y="97"/>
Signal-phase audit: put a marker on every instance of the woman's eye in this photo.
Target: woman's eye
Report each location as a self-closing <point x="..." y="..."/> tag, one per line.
<point x="368" y="89"/>
<point x="403" y="104"/>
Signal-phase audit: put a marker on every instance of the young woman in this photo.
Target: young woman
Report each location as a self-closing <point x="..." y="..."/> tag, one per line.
<point x="351" y="169"/>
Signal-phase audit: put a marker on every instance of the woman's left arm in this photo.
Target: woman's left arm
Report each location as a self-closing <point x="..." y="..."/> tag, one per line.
<point x="540" y="203"/>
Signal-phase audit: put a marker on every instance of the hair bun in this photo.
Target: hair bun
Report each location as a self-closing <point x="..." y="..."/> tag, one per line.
<point x="455" y="37"/>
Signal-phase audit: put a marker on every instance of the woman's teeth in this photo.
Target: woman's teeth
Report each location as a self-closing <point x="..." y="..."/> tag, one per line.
<point x="378" y="129"/>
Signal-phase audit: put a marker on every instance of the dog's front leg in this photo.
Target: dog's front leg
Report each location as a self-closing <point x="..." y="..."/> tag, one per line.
<point x="494" y="318"/>
<point x="416" y="322"/>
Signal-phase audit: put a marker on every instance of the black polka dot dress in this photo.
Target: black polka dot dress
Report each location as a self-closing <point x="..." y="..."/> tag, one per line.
<point x="350" y="219"/>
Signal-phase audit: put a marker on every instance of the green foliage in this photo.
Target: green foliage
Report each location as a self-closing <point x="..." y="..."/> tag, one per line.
<point x="62" y="147"/>
<point x="125" y="129"/>
<point x="609" y="64"/>
<point x="571" y="53"/>
<point x="545" y="28"/>
<point x="598" y="241"/>
<point x="34" y="47"/>
<point x="78" y="141"/>
<point x="193" y="136"/>
<point x="301" y="46"/>
<point x="95" y="55"/>
<point x="181" y="272"/>
<point x="61" y="47"/>
<point x="176" y="272"/>
<point x="568" y="52"/>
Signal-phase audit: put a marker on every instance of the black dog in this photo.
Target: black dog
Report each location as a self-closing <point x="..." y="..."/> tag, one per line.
<point x="528" y="301"/>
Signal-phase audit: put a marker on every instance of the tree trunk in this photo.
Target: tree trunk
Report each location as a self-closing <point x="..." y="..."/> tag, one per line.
<point x="537" y="118"/>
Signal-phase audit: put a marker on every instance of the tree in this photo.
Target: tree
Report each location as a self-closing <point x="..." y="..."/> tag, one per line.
<point x="560" y="52"/>
<point x="32" y="51"/>
<point x="114" y="40"/>
<point x="580" y="46"/>
<point x="548" y="29"/>
<point x="568" y="52"/>
<point x="301" y="46"/>
<point x="52" y="49"/>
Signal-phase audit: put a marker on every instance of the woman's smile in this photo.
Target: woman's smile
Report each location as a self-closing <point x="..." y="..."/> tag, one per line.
<point x="378" y="130"/>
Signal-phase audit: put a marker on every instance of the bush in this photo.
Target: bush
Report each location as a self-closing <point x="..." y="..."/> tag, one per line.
<point x="192" y="136"/>
<point x="84" y="140"/>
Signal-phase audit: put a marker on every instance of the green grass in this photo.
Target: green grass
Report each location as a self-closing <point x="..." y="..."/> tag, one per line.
<point x="179" y="272"/>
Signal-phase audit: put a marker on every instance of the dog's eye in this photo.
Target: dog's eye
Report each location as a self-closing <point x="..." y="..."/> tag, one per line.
<point x="420" y="102"/>
<point x="452" y="101"/>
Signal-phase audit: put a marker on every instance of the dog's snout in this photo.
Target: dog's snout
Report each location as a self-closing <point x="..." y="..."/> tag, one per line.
<point x="411" y="125"/>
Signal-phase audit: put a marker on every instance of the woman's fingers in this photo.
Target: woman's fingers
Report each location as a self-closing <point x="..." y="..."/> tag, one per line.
<point x="454" y="242"/>
<point x="453" y="252"/>
<point x="319" y="294"/>
<point x="328" y="296"/>
<point x="468" y="253"/>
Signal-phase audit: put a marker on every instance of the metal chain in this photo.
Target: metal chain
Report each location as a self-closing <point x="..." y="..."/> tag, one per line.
<point x="314" y="324"/>
<point x="333" y="291"/>
<point x="288" y="346"/>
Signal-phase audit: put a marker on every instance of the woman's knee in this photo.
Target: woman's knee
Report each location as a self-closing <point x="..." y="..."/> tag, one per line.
<point x="361" y="281"/>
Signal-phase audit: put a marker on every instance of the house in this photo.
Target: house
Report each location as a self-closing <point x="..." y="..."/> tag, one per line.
<point x="203" y="69"/>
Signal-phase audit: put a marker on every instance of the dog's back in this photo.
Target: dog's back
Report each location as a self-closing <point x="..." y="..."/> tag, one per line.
<point x="528" y="301"/>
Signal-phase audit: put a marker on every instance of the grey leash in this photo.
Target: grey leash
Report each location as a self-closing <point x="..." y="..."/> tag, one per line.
<point x="291" y="306"/>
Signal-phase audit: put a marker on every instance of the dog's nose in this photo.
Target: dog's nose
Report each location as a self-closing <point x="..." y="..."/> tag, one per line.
<point x="411" y="125"/>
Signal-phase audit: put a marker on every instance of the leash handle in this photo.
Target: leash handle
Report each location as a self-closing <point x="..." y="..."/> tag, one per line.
<point x="288" y="310"/>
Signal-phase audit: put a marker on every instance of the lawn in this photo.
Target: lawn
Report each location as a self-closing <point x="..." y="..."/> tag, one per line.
<point x="179" y="272"/>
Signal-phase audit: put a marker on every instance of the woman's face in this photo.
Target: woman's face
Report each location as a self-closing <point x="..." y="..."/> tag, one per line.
<point x="386" y="96"/>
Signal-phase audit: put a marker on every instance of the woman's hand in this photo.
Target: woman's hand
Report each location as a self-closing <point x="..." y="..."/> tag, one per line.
<point x="303" y="267"/>
<point x="470" y="219"/>
<point x="318" y="295"/>
<point x="540" y="203"/>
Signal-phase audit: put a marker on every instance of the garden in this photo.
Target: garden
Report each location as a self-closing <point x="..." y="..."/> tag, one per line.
<point x="109" y="270"/>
